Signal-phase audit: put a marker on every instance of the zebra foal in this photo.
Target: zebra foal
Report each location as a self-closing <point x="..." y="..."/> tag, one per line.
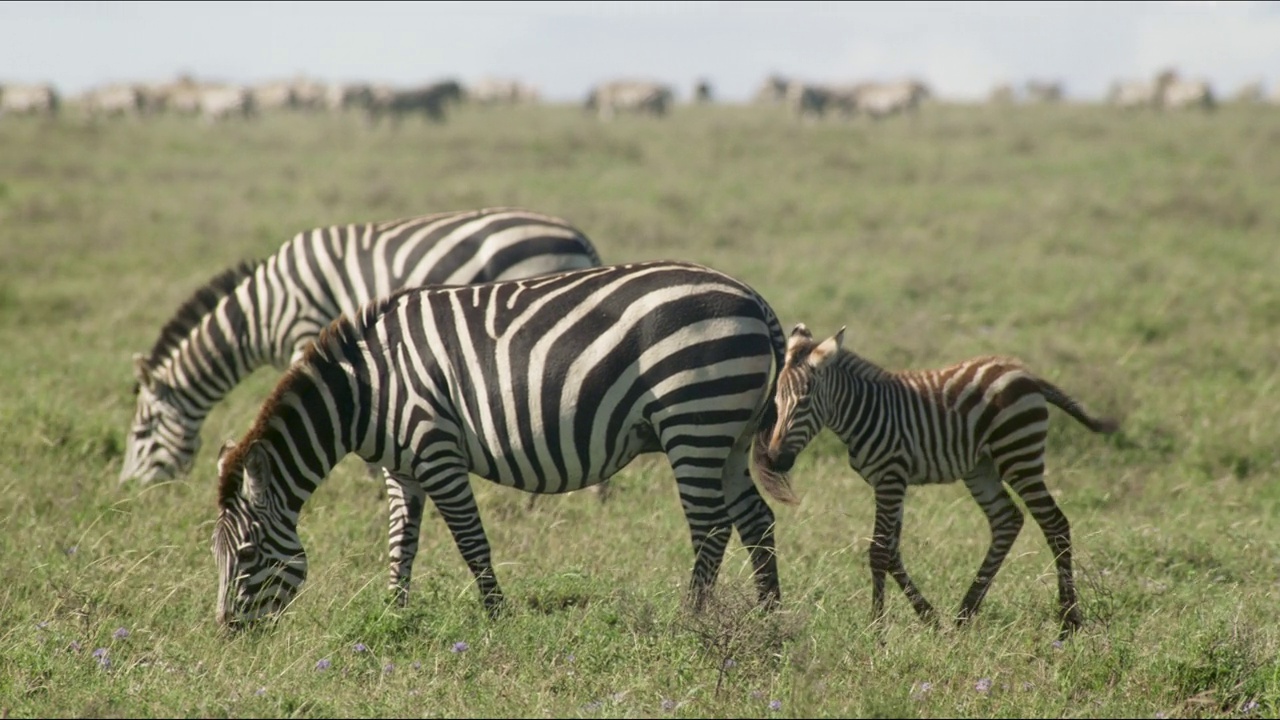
<point x="983" y="420"/>
<point x="546" y="384"/>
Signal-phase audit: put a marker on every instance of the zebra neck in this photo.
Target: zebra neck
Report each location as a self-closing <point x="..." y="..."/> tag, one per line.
<point x="234" y="338"/>
<point x="307" y="427"/>
<point x="852" y="394"/>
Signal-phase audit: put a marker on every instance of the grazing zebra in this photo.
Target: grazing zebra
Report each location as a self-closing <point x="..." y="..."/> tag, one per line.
<point x="637" y="96"/>
<point x="40" y="99"/>
<point x="984" y="420"/>
<point x="879" y="100"/>
<point x="114" y="100"/>
<point x="544" y="384"/>
<point x="269" y="311"/>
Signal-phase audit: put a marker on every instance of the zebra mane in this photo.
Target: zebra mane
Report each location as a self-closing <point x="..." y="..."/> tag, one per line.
<point x="328" y="347"/>
<point x="854" y="364"/>
<point x="193" y="311"/>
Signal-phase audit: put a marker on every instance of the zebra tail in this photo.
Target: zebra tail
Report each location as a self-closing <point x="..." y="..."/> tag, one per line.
<point x="777" y="484"/>
<point x="1055" y="395"/>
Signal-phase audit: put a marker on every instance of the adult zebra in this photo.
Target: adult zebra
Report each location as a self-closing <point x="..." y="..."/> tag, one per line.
<point x="545" y="384"/>
<point x="984" y="420"/>
<point x="267" y="312"/>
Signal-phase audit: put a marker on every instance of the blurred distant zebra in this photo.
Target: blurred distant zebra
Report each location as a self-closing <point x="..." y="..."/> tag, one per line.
<point x="879" y="100"/>
<point x="223" y="102"/>
<point x="430" y="100"/>
<point x="772" y="91"/>
<point x="702" y="93"/>
<point x="18" y="99"/>
<point x="983" y="420"/>
<point x="1179" y="93"/>
<point x="267" y="312"/>
<point x="547" y="385"/>
<point x="499" y="91"/>
<point x="641" y="97"/>
<point x="1044" y="92"/>
<point x="115" y="100"/>
<point x="340" y="97"/>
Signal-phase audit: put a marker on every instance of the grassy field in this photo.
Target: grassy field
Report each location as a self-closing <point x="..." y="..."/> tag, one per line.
<point x="1132" y="259"/>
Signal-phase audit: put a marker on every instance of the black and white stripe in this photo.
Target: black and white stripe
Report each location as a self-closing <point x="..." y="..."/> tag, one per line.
<point x="984" y="420"/>
<point x="547" y="384"/>
<point x="267" y="312"/>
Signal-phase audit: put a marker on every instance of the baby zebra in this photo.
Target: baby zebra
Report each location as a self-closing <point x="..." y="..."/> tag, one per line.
<point x="984" y="420"/>
<point x="546" y="384"/>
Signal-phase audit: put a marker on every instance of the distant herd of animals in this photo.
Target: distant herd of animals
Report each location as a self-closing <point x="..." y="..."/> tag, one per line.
<point x="214" y="101"/>
<point x="496" y="342"/>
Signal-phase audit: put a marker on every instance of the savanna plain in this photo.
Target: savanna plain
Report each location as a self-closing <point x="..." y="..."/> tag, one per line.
<point x="1131" y="258"/>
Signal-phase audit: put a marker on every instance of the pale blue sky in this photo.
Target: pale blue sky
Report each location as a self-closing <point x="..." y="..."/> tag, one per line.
<point x="961" y="48"/>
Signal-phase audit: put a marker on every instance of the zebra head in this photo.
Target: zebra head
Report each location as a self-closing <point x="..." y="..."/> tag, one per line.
<point x="798" y="419"/>
<point x="261" y="563"/>
<point x="162" y="444"/>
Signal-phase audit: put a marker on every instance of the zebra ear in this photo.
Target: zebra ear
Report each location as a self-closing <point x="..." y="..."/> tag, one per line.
<point x="141" y="372"/>
<point x="826" y="350"/>
<point x="227" y="447"/>
<point x="256" y="473"/>
<point x="799" y="334"/>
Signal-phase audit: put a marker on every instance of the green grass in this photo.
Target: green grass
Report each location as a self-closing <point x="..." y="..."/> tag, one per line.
<point x="1130" y="258"/>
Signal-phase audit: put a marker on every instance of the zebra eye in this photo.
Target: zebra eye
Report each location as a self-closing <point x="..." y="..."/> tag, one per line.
<point x="246" y="555"/>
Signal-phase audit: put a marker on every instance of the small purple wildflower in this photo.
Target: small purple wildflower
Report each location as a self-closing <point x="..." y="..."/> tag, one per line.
<point x="729" y="663"/>
<point x="1249" y="707"/>
<point x="120" y="633"/>
<point x="42" y="624"/>
<point x="983" y="685"/>
<point x="100" y="653"/>
<point x="417" y="665"/>
<point x="668" y="704"/>
<point x="75" y="646"/>
<point x="921" y="689"/>
<point x="71" y="550"/>
<point x="323" y="664"/>
<point x="593" y="705"/>
<point x="775" y="705"/>
<point x="260" y="691"/>
<point x="388" y="668"/>
<point x="571" y="657"/>
<point x="460" y="646"/>
<point x="360" y="647"/>
<point x="1057" y="644"/>
<point x="1160" y="715"/>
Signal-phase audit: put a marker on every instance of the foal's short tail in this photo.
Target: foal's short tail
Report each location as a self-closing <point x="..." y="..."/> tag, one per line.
<point x="774" y="482"/>
<point x="1055" y="395"/>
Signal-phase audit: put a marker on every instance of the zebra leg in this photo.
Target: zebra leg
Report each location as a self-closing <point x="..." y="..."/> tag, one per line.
<point x="886" y="556"/>
<point x="450" y="490"/>
<point x="1005" y="519"/>
<point x="709" y="526"/>
<point x="1057" y="531"/>
<point x="754" y="520"/>
<point x="406" y="498"/>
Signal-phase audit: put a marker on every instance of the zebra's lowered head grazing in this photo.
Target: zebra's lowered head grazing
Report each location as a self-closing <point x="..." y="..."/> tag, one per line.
<point x="983" y="420"/>
<point x="546" y="384"/>
<point x="165" y="435"/>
